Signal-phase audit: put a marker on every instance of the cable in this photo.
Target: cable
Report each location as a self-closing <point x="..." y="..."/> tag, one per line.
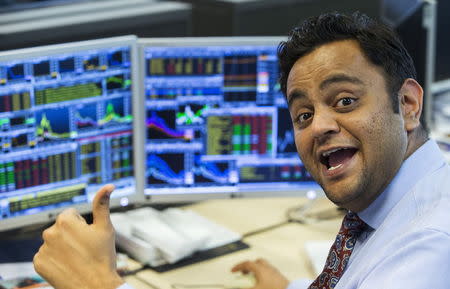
<point x="295" y="214"/>
<point x="124" y="273"/>
<point x="265" y="229"/>
<point x="300" y="214"/>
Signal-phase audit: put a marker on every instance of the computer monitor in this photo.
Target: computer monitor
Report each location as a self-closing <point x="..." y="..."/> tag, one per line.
<point x="216" y="123"/>
<point x="66" y="127"/>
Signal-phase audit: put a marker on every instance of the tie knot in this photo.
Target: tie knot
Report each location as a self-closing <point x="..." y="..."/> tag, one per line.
<point x="352" y="224"/>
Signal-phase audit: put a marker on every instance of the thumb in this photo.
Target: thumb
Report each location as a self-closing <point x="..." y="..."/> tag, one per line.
<point x="100" y="206"/>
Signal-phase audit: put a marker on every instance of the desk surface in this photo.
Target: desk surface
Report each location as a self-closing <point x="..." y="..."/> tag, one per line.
<point x="282" y="246"/>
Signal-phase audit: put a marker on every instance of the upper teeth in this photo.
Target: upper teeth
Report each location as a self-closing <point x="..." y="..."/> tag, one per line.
<point x="327" y="153"/>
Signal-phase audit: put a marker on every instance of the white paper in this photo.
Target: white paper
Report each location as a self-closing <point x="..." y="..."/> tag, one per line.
<point x="15" y="270"/>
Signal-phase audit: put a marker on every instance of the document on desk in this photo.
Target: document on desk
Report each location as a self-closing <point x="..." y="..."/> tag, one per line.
<point x="317" y="252"/>
<point x="16" y="270"/>
<point x="20" y="275"/>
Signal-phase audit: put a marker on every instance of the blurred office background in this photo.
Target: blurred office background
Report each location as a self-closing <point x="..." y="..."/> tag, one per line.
<point x="421" y="24"/>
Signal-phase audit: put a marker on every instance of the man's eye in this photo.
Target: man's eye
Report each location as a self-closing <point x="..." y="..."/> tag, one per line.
<point x="304" y="117"/>
<point x="345" y="101"/>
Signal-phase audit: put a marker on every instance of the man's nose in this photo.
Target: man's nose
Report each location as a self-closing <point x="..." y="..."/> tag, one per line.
<point x="324" y="123"/>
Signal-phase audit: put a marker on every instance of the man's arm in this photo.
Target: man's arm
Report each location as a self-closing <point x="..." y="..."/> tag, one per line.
<point x="77" y="255"/>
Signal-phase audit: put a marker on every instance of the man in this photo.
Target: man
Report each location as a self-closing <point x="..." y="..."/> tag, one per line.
<point x="356" y="109"/>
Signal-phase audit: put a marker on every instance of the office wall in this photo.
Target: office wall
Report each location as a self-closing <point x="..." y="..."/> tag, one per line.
<point x="94" y="19"/>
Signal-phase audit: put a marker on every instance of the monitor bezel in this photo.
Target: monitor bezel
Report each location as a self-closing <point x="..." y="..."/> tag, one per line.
<point x="49" y="50"/>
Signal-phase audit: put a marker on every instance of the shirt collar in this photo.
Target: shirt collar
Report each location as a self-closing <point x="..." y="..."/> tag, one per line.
<point x="424" y="160"/>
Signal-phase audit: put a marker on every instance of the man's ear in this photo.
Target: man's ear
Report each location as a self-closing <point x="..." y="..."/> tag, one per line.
<point x="411" y="101"/>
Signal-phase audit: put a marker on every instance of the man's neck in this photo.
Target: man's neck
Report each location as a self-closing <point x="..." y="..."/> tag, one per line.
<point x="415" y="140"/>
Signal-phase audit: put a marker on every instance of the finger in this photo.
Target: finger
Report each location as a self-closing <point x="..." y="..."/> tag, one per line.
<point x="38" y="263"/>
<point x="100" y="206"/>
<point x="239" y="267"/>
<point x="49" y="235"/>
<point x="248" y="266"/>
<point x="69" y="216"/>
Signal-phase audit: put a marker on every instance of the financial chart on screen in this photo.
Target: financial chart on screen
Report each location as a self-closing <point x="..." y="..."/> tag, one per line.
<point x="65" y="125"/>
<point x="216" y="120"/>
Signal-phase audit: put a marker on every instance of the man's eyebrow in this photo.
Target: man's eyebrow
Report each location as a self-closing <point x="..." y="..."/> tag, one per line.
<point x="336" y="78"/>
<point x="296" y="94"/>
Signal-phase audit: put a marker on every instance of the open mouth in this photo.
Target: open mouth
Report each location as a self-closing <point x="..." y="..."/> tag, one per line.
<point x="336" y="158"/>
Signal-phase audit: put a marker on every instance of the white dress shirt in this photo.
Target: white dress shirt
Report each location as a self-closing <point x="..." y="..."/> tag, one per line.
<point x="408" y="243"/>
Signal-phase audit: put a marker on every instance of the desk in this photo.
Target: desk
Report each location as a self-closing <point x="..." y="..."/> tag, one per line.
<point x="282" y="246"/>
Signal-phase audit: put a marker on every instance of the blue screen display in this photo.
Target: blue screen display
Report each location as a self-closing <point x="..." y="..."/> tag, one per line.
<point x="216" y="120"/>
<point x="65" y="128"/>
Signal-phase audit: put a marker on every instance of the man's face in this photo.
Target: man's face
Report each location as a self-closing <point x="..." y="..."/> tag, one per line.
<point x="346" y="131"/>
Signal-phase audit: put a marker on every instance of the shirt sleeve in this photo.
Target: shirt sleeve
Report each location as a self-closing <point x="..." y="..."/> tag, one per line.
<point x="125" y="286"/>
<point x="299" y="284"/>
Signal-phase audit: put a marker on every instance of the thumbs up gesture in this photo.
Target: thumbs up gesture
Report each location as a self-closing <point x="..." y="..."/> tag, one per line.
<point x="77" y="255"/>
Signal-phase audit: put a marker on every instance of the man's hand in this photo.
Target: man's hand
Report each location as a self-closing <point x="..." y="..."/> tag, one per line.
<point x="77" y="255"/>
<point x="267" y="276"/>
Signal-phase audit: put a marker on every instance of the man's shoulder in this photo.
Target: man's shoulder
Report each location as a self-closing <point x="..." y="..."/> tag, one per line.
<point x="435" y="218"/>
<point x="432" y="193"/>
<point x="436" y="180"/>
<point x="425" y="210"/>
<point x="432" y="198"/>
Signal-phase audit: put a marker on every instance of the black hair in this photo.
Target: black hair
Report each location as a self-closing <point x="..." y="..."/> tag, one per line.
<point x="379" y="43"/>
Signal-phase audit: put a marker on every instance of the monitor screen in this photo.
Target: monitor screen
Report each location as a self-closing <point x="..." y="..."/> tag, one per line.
<point x="66" y="127"/>
<point x="216" y="122"/>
